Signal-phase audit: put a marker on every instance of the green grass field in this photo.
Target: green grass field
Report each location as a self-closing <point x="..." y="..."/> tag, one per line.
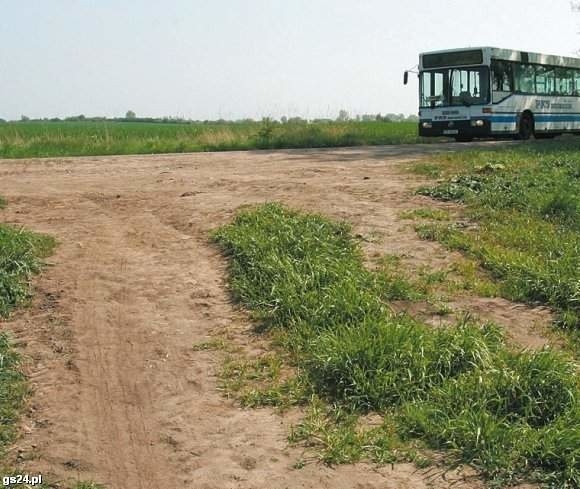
<point x="511" y="414"/>
<point x="44" y="139"/>
<point x="526" y="203"/>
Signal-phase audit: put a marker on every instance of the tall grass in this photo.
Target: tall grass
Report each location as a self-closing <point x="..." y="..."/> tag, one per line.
<point x="457" y="388"/>
<point x="40" y="139"/>
<point x="526" y="201"/>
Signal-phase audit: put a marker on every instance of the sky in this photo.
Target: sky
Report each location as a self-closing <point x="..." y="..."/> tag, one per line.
<point x="234" y="59"/>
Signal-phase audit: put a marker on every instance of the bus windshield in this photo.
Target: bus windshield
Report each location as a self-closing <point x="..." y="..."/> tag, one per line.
<point x="455" y="86"/>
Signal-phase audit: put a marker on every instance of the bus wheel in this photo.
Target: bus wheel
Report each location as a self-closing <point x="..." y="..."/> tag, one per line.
<point x="526" y="130"/>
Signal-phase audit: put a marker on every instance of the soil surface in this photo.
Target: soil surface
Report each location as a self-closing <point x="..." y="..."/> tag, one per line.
<point x="119" y="394"/>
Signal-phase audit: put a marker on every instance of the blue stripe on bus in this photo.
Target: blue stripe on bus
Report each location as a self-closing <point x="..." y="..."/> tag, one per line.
<point x="557" y="118"/>
<point x="538" y="118"/>
<point x="504" y="118"/>
<point x="514" y="118"/>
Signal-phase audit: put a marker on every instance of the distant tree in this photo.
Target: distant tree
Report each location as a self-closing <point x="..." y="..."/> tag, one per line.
<point x="2" y="121"/>
<point x="130" y="115"/>
<point x="323" y="120"/>
<point x="283" y="119"/>
<point x="343" y="116"/>
<point x="395" y="117"/>
<point x="24" y="118"/>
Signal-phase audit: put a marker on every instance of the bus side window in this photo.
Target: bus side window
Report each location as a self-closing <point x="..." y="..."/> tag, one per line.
<point x="502" y="76"/>
<point x="524" y="78"/>
<point x="545" y="80"/>
<point x="564" y="82"/>
<point x="576" y="88"/>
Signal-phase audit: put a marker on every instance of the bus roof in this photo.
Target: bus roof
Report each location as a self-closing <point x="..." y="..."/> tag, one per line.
<point x="513" y="55"/>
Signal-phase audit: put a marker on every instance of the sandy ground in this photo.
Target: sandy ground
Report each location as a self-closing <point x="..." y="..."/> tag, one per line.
<point x="119" y="394"/>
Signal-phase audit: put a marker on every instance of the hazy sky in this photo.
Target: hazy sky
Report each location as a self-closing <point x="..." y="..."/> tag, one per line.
<point x="252" y="58"/>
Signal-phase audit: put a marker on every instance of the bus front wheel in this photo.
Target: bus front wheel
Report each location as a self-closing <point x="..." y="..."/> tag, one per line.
<point x="526" y="127"/>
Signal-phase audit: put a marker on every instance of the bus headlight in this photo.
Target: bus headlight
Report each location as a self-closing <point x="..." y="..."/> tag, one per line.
<point x="477" y="123"/>
<point x="427" y="125"/>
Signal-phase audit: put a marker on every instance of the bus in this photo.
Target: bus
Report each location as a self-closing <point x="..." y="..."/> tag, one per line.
<point x="491" y="93"/>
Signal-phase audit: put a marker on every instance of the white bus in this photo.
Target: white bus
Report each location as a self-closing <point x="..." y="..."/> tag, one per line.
<point x="490" y="92"/>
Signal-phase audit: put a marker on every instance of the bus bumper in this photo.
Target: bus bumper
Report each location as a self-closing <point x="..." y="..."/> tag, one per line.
<point x="455" y="129"/>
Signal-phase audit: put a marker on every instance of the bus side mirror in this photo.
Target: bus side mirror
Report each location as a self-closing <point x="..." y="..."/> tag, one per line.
<point x="405" y="78"/>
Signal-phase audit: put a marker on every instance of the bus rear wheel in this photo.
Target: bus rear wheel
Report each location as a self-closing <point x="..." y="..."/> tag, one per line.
<point x="526" y="127"/>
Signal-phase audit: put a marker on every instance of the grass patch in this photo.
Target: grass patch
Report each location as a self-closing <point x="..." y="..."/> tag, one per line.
<point x="426" y="170"/>
<point x="214" y="344"/>
<point x="335" y="436"/>
<point x="425" y="213"/>
<point x="21" y="253"/>
<point x="433" y="285"/>
<point x="510" y="419"/>
<point x="263" y="381"/>
<point x="303" y="275"/>
<point x="2" y="202"/>
<point x="526" y="202"/>
<point x="43" y="139"/>
<point x="12" y="391"/>
<point x="471" y="278"/>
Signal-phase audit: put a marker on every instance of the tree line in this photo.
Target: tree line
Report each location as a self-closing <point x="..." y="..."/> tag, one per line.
<point x="131" y="116"/>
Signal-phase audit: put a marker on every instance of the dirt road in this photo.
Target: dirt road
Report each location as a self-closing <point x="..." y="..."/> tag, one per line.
<point x="119" y="394"/>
